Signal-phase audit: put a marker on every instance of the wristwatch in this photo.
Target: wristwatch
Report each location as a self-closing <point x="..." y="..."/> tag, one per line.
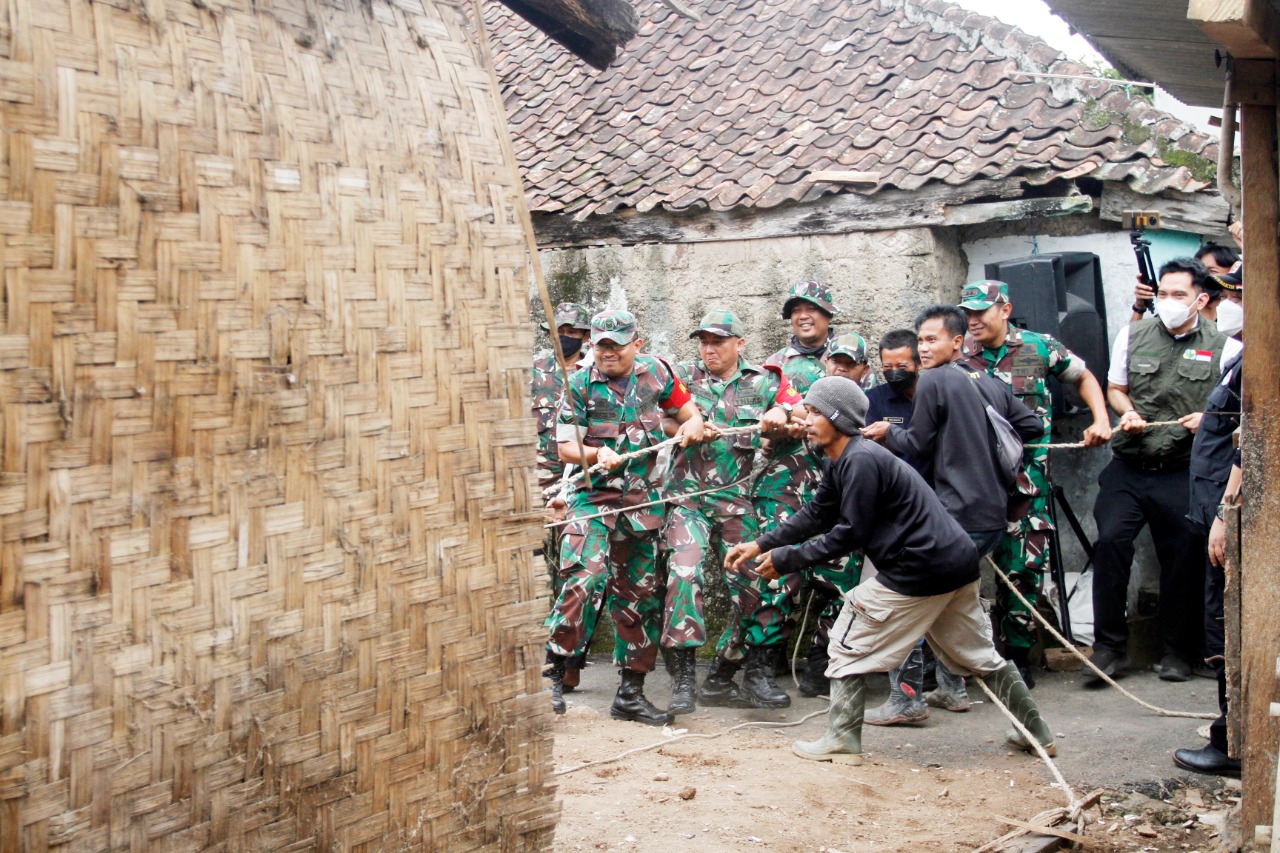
<point x="1219" y="511"/>
<point x="787" y="407"/>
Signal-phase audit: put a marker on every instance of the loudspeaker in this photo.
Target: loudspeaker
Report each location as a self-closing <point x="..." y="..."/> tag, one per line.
<point x="1061" y="294"/>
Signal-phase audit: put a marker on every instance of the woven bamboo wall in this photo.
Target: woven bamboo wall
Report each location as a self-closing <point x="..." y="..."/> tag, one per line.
<point x="265" y="579"/>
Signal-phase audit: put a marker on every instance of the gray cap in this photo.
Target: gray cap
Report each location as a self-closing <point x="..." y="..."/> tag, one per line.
<point x="841" y="401"/>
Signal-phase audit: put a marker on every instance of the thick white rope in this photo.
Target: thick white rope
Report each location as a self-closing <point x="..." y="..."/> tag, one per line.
<point x="1162" y="712"/>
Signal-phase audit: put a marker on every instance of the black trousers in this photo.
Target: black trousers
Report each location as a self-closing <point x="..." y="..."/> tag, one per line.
<point x="1128" y="500"/>
<point x="1215" y="584"/>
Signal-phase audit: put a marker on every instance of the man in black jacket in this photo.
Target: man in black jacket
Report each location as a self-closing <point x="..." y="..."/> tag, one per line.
<point x="927" y="573"/>
<point x="950" y="427"/>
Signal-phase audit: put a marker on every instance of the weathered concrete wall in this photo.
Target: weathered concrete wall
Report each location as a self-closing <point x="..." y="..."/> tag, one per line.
<point x="880" y="280"/>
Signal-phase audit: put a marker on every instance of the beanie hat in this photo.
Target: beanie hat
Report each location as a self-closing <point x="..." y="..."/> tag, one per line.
<point x="841" y="401"/>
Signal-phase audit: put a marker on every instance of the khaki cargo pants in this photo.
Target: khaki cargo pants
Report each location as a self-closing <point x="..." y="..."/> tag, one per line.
<point x="877" y="628"/>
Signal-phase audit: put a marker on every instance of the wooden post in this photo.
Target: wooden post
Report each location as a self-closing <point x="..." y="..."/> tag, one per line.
<point x="1260" y="517"/>
<point x="1231" y="629"/>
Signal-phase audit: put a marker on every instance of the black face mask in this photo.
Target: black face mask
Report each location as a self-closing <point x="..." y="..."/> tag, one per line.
<point x="900" y="380"/>
<point x="570" y="345"/>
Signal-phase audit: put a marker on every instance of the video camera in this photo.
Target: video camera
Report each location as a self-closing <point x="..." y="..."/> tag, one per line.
<point x="1138" y="222"/>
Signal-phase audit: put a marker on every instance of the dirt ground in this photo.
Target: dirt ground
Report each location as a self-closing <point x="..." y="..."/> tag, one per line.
<point x="942" y="785"/>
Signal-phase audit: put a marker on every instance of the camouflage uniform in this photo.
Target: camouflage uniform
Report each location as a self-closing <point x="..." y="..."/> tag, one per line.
<point x="1024" y="362"/>
<point x="725" y="517"/>
<point x="614" y="553"/>
<point x="790" y="477"/>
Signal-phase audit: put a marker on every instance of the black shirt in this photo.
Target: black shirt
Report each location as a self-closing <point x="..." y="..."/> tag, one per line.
<point x="949" y="425"/>
<point x="1213" y="452"/>
<point x="871" y="500"/>
<point x="884" y="403"/>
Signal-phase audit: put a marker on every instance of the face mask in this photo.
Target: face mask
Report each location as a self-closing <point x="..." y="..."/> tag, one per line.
<point x="570" y="345"/>
<point x="1172" y="313"/>
<point x="900" y="379"/>
<point x="1230" y="318"/>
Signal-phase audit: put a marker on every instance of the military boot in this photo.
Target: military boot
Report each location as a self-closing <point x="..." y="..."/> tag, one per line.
<point x="1021" y="658"/>
<point x="814" y="681"/>
<point x="631" y="704"/>
<point x="1010" y="689"/>
<point x="906" y="686"/>
<point x="719" y="690"/>
<point x="759" y="690"/>
<point x="685" y="687"/>
<point x="842" y="743"/>
<point x="554" y="670"/>
<point x="951" y="694"/>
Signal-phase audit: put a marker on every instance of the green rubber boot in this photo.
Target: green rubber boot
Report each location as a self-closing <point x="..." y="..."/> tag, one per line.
<point x="1010" y="689"/>
<point x="842" y="744"/>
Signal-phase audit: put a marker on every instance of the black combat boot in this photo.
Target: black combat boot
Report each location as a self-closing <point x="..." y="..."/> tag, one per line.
<point x="814" y="681"/>
<point x="1021" y="659"/>
<point x="554" y="670"/>
<point x="720" y="690"/>
<point x="630" y="703"/>
<point x="759" y="690"/>
<point x="685" y="687"/>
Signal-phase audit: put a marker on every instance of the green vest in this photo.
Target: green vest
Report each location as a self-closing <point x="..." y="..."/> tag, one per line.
<point x="1168" y="377"/>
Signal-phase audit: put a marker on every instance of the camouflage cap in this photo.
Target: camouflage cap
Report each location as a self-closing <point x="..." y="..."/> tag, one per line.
<point x="720" y="322"/>
<point x="850" y="344"/>
<point x="573" y="314"/>
<point x="814" y="292"/>
<point x="981" y="295"/>
<point x="616" y="326"/>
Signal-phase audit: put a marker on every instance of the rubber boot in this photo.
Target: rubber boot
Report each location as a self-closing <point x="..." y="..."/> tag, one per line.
<point x="842" y="743"/>
<point x="1010" y="689"/>
<point x="684" y="690"/>
<point x="759" y="690"/>
<point x="631" y="704"/>
<point x="951" y="694"/>
<point x="554" y="670"/>
<point x="906" y="686"/>
<point x="719" y="689"/>
<point x="814" y="680"/>
<point x="1021" y="658"/>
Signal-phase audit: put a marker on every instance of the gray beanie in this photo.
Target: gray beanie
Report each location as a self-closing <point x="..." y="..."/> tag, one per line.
<point x="841" y="401"/>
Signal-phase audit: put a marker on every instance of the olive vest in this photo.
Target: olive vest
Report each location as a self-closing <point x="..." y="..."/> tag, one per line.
<point x="1168" y="377"/>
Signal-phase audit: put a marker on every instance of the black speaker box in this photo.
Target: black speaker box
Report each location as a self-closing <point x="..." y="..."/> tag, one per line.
<point x="1061" y="294"/>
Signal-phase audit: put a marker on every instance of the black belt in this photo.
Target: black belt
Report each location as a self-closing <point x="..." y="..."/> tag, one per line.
<point x="1156" y="466"/>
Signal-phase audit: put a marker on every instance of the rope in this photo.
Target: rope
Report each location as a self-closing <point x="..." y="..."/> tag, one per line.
<point x="1158" y="711"/>
<point x="795" y="651"/>
<point x="644" y="451"/>
<point x="1151" y="424"/>
<point x="1026" y="734"/>
<point x="806" y="718"/>
<point x="666" y="500"/>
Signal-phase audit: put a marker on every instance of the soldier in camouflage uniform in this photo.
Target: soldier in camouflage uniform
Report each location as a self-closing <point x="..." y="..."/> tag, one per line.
<point x="789" y="478"/>
<point x="729" y="392"/>
<point x="847" y="357"/>
<point x="1024" y="360"/>
<point x="573" y="326"/>
<point x="617" y="405"/>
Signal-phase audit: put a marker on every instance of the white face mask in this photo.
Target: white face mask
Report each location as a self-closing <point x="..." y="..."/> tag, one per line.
<point x="1172" y="313"/>
<point x="1230" y="318"/>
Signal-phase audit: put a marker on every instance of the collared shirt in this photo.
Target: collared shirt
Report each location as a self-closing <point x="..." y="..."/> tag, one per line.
<point x="884" y="403"/>
<point x="1118" y="374"/>
<point x="791" y="472"/>
<point x="738" y="401"/>
<point x="624" y="415"/>
<point x="1024" y="362"/>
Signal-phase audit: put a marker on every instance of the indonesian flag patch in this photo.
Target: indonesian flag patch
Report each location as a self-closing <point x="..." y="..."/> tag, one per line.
<point x="1197" y="355"/>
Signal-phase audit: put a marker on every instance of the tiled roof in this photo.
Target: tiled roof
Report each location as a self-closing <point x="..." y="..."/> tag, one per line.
<point x="740" y="108"/>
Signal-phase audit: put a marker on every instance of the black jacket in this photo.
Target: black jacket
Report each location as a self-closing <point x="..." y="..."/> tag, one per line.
<point x="871" y="500"/>
<point x="1213" y="451"/>
<point x="949" y="425"/>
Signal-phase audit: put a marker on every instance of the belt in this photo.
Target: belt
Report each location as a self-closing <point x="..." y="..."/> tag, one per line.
<point x="1156" y="466"/>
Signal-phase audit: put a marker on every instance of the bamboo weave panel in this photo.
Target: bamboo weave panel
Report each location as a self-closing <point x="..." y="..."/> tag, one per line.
<point x="265" y="578"/>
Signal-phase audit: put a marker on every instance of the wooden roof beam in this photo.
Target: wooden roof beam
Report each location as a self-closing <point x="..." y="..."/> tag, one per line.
<point x="1246" y="29"/>
<point x="593" y="30"/>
